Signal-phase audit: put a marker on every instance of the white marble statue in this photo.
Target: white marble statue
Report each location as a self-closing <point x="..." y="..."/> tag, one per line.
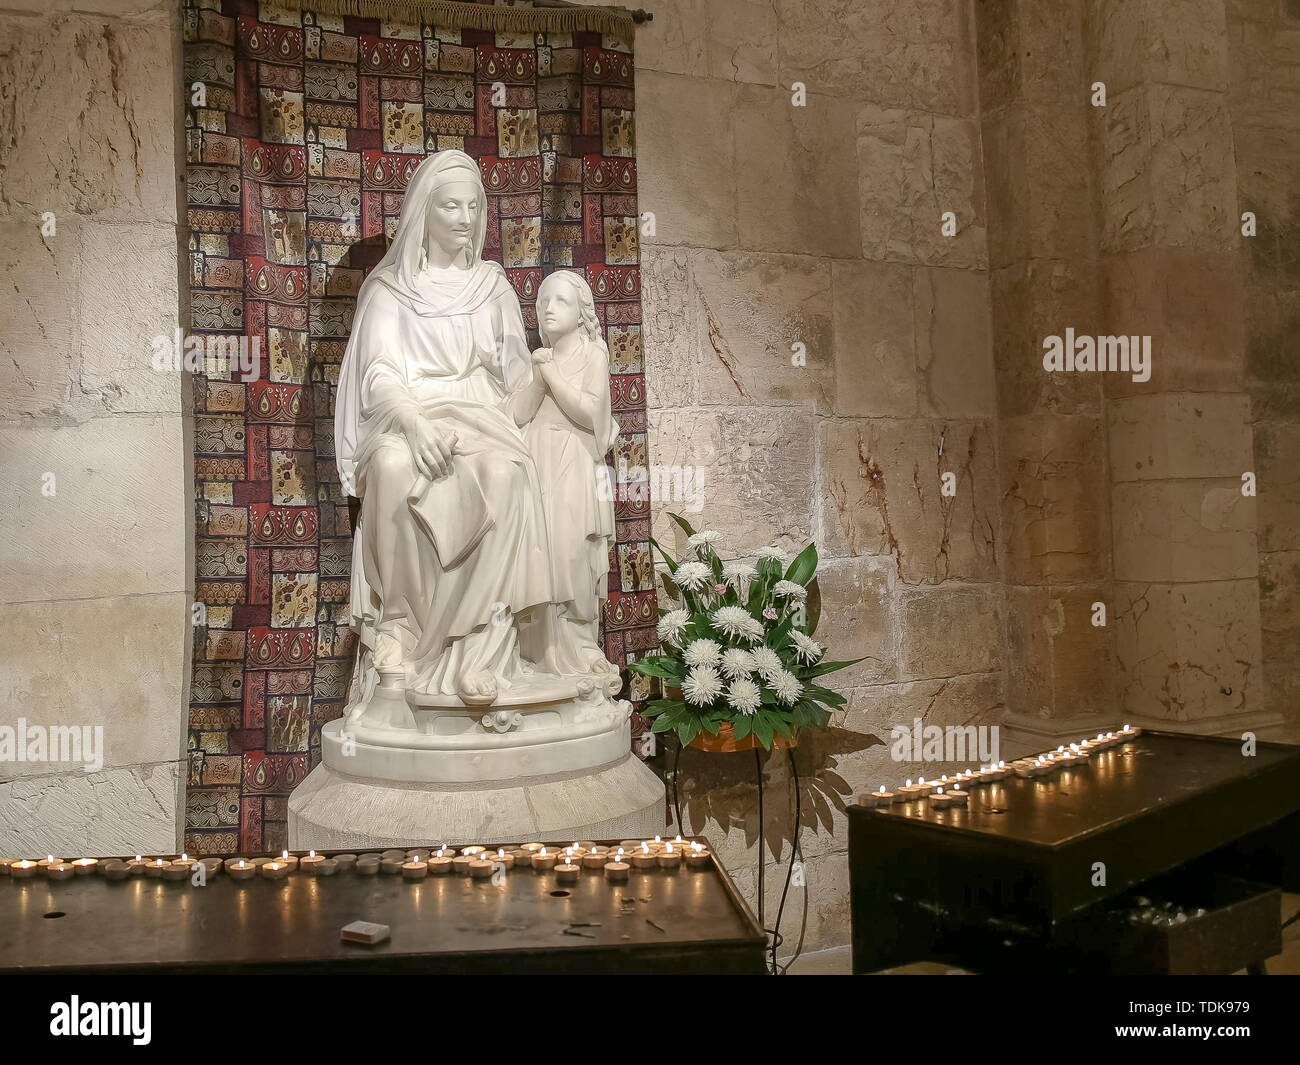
<point x="458" y="587"/>
<point x="481" y="708"/>
<point x="568" y="427"/>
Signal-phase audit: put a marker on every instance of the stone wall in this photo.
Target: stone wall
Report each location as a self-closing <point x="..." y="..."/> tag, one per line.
<point x="820" y="225"/>
<point x="1263" y="99"/>
<point x="96" y="527"/>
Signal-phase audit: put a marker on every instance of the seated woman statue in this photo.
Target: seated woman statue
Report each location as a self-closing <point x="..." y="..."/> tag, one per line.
<point x="450" y="559"/>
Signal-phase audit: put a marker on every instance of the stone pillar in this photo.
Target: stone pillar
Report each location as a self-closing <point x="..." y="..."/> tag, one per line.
<point x="1264" y="97"/>
<point x="95" y="452"/>
<point x="1053" y="477"/>
<point x="1185" y="613"/>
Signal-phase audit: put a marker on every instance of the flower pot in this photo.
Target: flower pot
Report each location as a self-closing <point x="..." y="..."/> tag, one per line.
<point x="725" y="741"/>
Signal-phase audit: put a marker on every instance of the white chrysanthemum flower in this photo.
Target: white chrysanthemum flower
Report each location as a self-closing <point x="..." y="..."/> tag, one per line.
<point x="738" y="575"/>
<point x="790" y="590"/>
<point x="736" y="663"/>
<point x="785" y="685"/>
<point x="773" y="553"/>
<point x="671" y="626"/>
<point x="703" y="538"/>
<point x="806" y="648"/>
<point x="702" y="685"/>
<point x="730" y="620"/>
<point x="703" y="652"/>
<point x="744" y="696"/>
<point x="767" y="663"/>
<point x="692" y="576"/>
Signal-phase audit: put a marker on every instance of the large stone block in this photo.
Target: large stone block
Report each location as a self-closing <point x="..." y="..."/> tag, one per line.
<point x="750" y="313"/>
<point x="1168" y="177"/>
<point x="675" y="42"/>
<point x="1059" y="664"/>
<point x="954" y="351"/>
<point x="1027" y="50"/>
<point x="912" y="167"/>
<point x="119" y="812"/>
<point x="753" y="466"/>
<point x="669" y="311"/>
<point x="110" y="150"/>
<point x="958" y="702"/>
<point x="918" y="54"/>
<point x="1054" y="499"/>
<point x="1277" y="469"/>
<point x="123" y="308"/>
<point x="1031" y="301"/>
<point x="1190" y="304"/>
<point x="856" y="619"/>
<point x="950" y="629"/>
<point x="1137" y="41"/>
<point x="685" y="145"/>
<point x="1188" y="651"/>
<point x="875" y="331"/>
<point x="797" y="185"/>
<point x="816" y="915"/>
<point x="38" y="316"/>
<point x="1279" y="620"/>
<point x="882" y="486"/>
<point x="116" y="662"/>
<point x="1184" y="530"/>
<point x="1272" y="313"/>
<point x="1179" y="434"/>
<point x="94" y="509"/>
<point x="1264" y="64"/>
<point x="1037" y="160"/>
<point x="742" y="41"/>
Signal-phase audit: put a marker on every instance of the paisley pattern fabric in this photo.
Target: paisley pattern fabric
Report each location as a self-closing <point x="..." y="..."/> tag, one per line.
<point x="302" y="130"/>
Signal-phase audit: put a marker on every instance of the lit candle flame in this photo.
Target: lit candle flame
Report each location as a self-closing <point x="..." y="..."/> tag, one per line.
<point x="669" y="848"/>
<point x="645" y="848"/>
<point x="543" y="851"/>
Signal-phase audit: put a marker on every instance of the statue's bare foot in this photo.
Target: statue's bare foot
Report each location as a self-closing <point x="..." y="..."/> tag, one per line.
<point x="478" y="688"/>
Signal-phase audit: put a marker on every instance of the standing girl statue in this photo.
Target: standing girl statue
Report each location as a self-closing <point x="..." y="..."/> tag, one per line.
<point x="568" y="428"/>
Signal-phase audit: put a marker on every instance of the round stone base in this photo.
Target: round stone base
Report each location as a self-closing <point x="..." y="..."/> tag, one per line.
<point x="620" y="800"/>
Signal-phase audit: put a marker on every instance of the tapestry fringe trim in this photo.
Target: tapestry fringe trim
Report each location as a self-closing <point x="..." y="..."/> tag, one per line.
<point x="565" y="19"/>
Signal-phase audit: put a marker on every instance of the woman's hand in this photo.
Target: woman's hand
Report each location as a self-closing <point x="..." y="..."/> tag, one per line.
<point x="541" y="356"/>
<point x="431" y="447"/>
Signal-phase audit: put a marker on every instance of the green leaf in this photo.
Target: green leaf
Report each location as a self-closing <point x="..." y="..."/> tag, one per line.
<point x="672" y="566"/>
<point x="804" y="566"/>
<point x="661" y="706"/>
<point x="763" y="729"/>
<point x="822" y="668"/>
<point x="740" y="728"/>
<point x="782" y="726"/>
<point x="663" y="723"/>
<point x="658" y="666"/>
<point x="688" y="730"/>
<point x="825" y="695"/>
<point x="685" y="525"/>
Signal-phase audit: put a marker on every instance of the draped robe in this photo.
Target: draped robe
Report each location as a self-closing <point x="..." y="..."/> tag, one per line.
<point x="447" y="345"/>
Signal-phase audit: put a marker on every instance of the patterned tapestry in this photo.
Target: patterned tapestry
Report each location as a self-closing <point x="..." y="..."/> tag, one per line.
<point x="303" y="126"/>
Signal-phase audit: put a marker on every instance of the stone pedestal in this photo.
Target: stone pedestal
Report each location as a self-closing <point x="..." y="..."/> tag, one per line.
<point x="551" y="770"/>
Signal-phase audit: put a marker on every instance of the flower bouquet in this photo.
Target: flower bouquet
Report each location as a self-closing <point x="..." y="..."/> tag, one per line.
<point x="740" y="653"/>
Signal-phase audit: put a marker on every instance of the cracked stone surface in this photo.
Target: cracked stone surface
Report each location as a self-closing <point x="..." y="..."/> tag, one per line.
<point x="122" y="811"/>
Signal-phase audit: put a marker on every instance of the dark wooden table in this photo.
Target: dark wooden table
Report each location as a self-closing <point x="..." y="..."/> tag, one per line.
<point x="1014" y="871"/>
<point x="689" y="921"/>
